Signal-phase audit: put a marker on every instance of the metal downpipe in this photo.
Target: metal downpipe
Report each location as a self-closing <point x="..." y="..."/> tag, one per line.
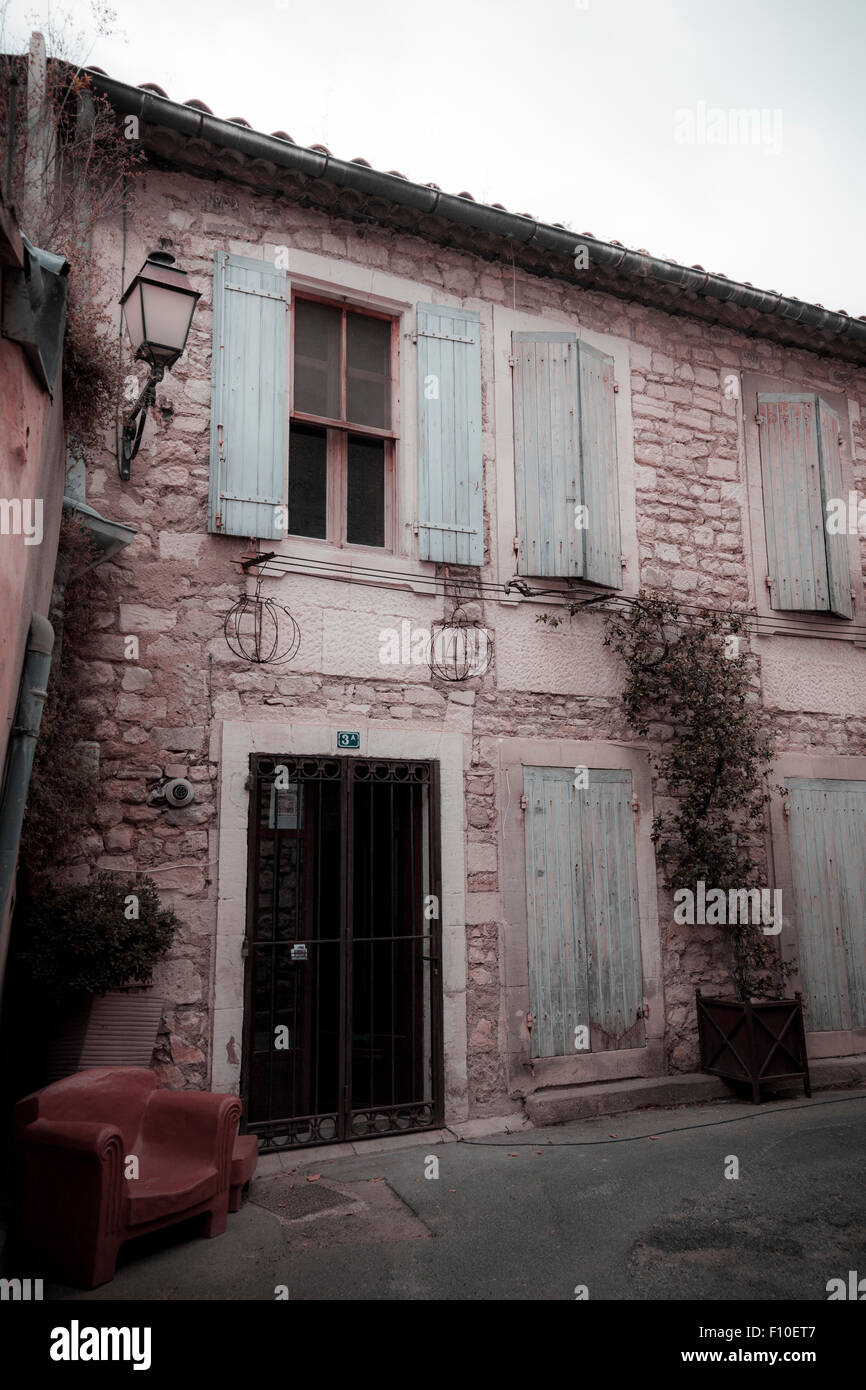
<point x="19" y="764"/>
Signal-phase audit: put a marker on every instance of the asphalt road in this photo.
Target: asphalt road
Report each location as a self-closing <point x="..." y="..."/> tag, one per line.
<point x="544" y="1213"/>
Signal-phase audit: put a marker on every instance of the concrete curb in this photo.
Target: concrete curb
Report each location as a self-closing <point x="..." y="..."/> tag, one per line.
<point x="560" y="1104"/>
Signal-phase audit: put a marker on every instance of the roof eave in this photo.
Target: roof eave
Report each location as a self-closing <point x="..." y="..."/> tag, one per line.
<point x="195" y="124"/>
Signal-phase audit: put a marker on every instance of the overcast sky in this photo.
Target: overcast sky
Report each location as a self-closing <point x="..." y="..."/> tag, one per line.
<point x="617" y="117"/>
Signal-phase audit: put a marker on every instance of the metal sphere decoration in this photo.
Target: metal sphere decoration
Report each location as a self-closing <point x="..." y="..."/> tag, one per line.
<point x="460" y="647"/>
<point x="261" y="630"/>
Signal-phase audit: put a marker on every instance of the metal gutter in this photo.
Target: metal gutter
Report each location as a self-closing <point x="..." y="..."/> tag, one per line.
<point x="108" y="536"/>
<point x="199" y="125"/>
<point x="19" y="764"/>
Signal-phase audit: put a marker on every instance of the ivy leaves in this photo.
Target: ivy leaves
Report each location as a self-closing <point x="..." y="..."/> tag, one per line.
<point x="688" y="686"/>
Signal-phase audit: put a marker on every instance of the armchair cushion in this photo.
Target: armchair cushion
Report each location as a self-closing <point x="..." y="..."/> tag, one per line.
<point x="169" y="1191"/>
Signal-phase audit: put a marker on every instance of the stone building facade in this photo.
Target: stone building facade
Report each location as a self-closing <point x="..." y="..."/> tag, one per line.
<point x="686" y="367"/>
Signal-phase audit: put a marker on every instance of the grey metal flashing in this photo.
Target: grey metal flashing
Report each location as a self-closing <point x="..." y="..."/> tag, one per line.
<point x="34" y="310"/>
<point x="108" y="536"/>
<point x="199" y="125"/>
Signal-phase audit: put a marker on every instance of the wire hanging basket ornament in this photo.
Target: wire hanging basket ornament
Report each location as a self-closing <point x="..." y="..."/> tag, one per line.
<point x="460" y="647"/>
<point x="261" y="630"/>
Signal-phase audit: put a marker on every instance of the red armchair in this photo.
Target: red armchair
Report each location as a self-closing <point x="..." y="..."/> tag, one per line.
<point x="72" y="1140"/>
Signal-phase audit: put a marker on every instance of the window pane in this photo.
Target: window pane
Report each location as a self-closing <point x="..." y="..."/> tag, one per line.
<point x="318" y="367"/>
<point x="368" y="386"/>
<point x="308" y="482"/>
<point x="365" y="493"/>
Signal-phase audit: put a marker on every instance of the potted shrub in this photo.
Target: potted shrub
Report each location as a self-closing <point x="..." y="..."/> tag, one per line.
<point x="89" y="955"/>
<point x="687" y="674"/>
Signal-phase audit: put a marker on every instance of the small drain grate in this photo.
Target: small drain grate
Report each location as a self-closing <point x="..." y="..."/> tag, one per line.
<point x="293" y="1198"/>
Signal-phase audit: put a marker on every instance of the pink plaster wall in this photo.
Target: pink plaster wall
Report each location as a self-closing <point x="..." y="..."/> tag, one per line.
<point x="32" y="465"/>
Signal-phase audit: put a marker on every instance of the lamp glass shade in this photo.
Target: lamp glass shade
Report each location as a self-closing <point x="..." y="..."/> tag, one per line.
<point x="167" y="316"/>
<point x="134" y="318"/>
<point x="158" y="309"/>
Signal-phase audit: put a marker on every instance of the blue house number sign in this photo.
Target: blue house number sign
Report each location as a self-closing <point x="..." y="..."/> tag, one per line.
<point x="347" y="739"/>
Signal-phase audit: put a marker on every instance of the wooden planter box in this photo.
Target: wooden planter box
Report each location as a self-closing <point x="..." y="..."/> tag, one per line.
<point x="756" y="1040"/>
<point x="117" y="1029"/>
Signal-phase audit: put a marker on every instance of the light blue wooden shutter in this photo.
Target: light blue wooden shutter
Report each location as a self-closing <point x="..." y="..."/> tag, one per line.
<point x="827" y="820"/>
<point x="565" y="456"/>
<point x="249" y="397"/>
<point x="546" y="453"/>
<point x="798" y="464"/>
<point x="599" y="475"/>
<point x="582" y="911"/>
<point x="450" y="498"/>
<point x="838" y="569"/>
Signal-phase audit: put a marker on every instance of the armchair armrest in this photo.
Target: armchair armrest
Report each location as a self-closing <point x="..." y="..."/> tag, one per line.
<point x="71" y="1185"/>
<point x="82" y="1136"/>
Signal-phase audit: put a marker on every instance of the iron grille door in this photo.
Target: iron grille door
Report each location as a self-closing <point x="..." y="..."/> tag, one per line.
<point x="343" y="1028"/>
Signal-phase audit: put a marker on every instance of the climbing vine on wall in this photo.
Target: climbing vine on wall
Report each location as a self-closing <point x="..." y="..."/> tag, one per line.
<point x="86" y="176"/>
<point x="688" y="684"/>
<point x="691" y="674"/>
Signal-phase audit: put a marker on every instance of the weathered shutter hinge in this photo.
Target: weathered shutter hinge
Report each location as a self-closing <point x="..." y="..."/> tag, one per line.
<point x="523" y="801"/>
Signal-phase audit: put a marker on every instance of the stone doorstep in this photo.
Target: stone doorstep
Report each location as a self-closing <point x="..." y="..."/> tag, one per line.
<point x="554" y="1105"/>
<point x="559" y="1104"/>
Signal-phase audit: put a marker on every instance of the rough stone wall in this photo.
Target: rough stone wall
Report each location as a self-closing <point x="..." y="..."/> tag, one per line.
<point x="173" y="586"/>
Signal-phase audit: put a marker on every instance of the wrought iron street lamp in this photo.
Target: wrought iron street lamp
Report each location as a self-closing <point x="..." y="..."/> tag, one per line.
<point x="157" y="310"/>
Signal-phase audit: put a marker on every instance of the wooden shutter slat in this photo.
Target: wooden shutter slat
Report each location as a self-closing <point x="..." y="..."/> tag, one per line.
<point x="599" y="474"/>
<point x="610" y="882"/>
<point x="450" y="469"/>
<point x="838" y="567"/>
<point x="249" y="397"/>
<point x="827" y="819"/>
<point x="558" y="982"/>
<point x="794" y="519"/>
<point x="547" y="453"/>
